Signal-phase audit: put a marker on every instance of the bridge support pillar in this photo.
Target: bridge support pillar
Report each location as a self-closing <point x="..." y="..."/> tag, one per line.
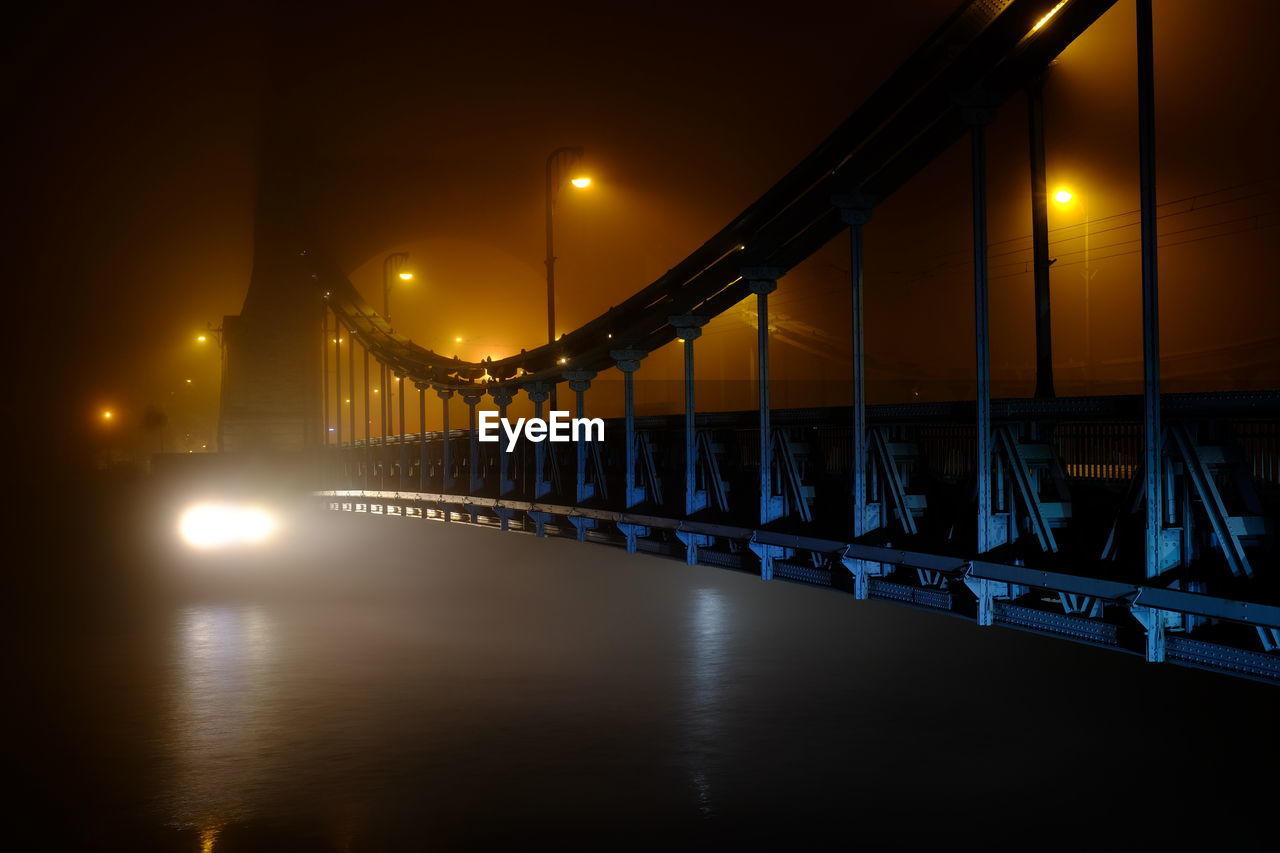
<point x="581" y="524"/>
<point x="1152" y="434"/>
<point x="506" y="485"/>
<point x="422" y="435"/>
<point x="402" y="475"/>
<point x="767" y="554"/>
<point x="538" y="394"/>
<point x="368" y="421"/>
<point x="353" y="465"/>
<point x="986" y="592"/>
<point x="633" y="532"/>
<point x="446" y="461"/>
<point x="1156" y="623"/>
<point x="628" y="361"/>
<point x="474" y="481"/>
<point x="689" y="329"/>
<point x="855" y="210"/>
<point x="540" y="520"/>
<point x="579" y="382"/>
<point x="692" y="542"/>
<point x="337" y="385"/>
<point x="762" y="281"/>
<point x="863" y="571"/>
<point x="384" y="408"/>
<point x="978" y="117"/>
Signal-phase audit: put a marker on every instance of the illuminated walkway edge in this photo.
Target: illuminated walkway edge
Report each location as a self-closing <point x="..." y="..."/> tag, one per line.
<point x="867" y="565"/>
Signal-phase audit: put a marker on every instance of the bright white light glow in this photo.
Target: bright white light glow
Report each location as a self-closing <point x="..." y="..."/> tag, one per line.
<point x="217" y="525"/>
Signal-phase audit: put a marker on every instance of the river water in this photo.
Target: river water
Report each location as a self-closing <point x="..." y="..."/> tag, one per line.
<point x="393" y="684"/>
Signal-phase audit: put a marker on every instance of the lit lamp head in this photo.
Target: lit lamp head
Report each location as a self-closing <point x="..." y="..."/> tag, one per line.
<point x="406" y="276"/>
<point x="1062" y="195"/>
<point x="581" y="182"/>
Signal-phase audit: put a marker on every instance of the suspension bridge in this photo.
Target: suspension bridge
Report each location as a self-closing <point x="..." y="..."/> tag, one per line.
<point x="1140" y="523"/>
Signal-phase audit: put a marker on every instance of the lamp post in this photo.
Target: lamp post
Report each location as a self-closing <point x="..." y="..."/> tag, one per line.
<point x="391" y="265"/>
<point x="561" y="158"/>
<point x="1064" y="197"/>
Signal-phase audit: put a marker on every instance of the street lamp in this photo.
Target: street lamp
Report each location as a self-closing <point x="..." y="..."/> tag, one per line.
<point x="391" y="265"/>
<point x="1065" y="197"/>
<point x="558" y="162"/>
<point x="561" y="158"/>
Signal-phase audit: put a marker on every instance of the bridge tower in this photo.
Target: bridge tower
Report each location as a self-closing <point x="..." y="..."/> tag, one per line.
<point x="271" y="375"/>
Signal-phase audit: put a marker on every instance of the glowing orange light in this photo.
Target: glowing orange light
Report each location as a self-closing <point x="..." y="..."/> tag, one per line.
<point x="107" y="415"/>
<point x="1062" y="195"/>
<point x="581" y="183"/>
<point x="1049" y="15"/>
<point x="457" y="340"/>
<point x="406" y="276"/>
<point x="201" y="338"/>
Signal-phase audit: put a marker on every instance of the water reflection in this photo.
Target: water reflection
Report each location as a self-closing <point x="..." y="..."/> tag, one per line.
<point x="209" y="837"/>
<point x="223" y="723"/>
<point x="708" y="664"/>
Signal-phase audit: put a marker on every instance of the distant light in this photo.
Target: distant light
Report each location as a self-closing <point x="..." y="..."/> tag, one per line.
<point x="348" y="401"/>
<point x="213" y="525"/>
<point x="1063" y="195"/>
<point x="331" y="429"/>
<point x="610" y="335"/>
<point x="406" y="276"/>
<point x="188" y="381"/>
<point x="741" y="247"/>
<point x="681" y="340"/>
<point x="581" y="183"/>
<point x="201" y="338"/>
<point x="107" y="415"/>
<point x="1040" y="23"/>
<point x="564" y="361"/>
<point x="457" y="340"/>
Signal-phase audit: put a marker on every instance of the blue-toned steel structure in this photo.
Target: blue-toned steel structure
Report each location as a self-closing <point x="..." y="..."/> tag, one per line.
<point x="1140" y="523"/>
